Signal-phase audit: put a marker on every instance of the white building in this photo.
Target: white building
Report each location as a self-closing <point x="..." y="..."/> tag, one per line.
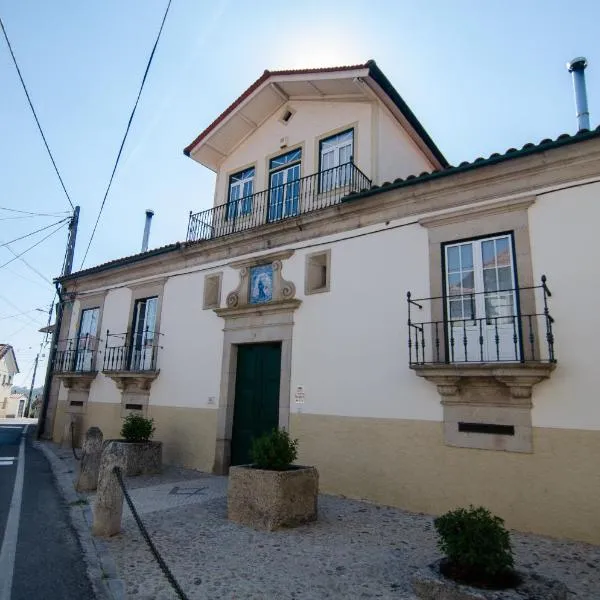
<point x="8" y="369"/>
<point x="287" y="305"/>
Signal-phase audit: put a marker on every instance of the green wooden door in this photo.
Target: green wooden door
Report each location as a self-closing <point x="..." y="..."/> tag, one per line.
<point x="256" y="408"/>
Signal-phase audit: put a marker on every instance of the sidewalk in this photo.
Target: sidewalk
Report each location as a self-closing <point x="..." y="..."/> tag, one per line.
<point x="355" y="549"/>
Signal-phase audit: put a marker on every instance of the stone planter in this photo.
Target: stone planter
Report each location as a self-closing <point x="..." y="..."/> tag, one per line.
<point x="272" y="499"/>
<point x="430" y="584"/>
<point x="141" y="458"/>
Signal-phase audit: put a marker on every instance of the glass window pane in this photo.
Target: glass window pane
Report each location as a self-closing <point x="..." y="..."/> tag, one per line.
<point x="284" y="159"/>
<point x="502" y="252"/>
<point x="488" y="253"/>
<point x="455" y="309"/>
<point x="345" y="154"/>
<point x="466" y="256"/>
<point x="454" y="284"/>
<point x="489" y="280"/>
<point x="453" y="260"/>
<point x="468" y="283"/>
<point x="469" y="308"/>
<point x="505" y="280"/>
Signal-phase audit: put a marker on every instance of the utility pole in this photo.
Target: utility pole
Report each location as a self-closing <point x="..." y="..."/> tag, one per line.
<point x="28" y="404"/>
<point x="70" y="252"/>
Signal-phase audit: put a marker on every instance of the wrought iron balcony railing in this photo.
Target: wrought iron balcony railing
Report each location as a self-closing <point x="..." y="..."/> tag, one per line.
<point x="137" y="353"/>
<point x="76" y="355"/>
<point x="500" y="326"/>
<point x="292" y="199"/>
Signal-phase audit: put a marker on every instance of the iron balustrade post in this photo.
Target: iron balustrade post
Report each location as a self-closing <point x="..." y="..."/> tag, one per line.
<point x="549" y="321"/>
<point x="531" y="337"/>
<point x="480" y="339"/>
<point x="409" y="331"/>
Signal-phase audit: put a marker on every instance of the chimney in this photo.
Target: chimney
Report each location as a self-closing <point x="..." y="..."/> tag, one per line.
<point x="577" y="67"/>
<point x="149" y="215"/>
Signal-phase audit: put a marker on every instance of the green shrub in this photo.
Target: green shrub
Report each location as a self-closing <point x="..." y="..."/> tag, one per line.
<point x="475" y="540"/>
<point x="136" y="428"/>
<point x="274" y="451"/>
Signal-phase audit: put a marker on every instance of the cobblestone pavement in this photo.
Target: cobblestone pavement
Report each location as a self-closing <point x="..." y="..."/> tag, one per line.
<point x="355" y="550"/>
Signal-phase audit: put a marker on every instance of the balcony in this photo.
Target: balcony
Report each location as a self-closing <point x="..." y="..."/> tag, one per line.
<point x="475" y="339"/>
<point x="75" y="361"/>
<point x="302" y="196"/>
<point x="131" y="360"/>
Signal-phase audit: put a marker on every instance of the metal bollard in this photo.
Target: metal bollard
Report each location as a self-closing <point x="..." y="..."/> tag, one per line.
<point x="108" y="507"/>
<point x="89" y="467"/>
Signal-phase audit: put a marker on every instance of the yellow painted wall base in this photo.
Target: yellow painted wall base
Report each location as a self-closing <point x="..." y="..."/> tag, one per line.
<point x="188" y="434"/>
<point x="403" y="463"/>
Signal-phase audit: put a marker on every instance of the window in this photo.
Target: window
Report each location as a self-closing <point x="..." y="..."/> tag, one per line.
<point x="335" y="160"/>
<point x="284" y="185"/>
<point x="86" y="340"/>
<point x="241" y="188"/>
<point x="212" y="291"/>
<point x="318" y="267"/>
<point x="142" y="351"/>
<point x="481" y="301"/>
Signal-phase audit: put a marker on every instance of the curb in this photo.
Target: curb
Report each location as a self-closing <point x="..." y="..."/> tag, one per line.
<point x="101" y="567"/>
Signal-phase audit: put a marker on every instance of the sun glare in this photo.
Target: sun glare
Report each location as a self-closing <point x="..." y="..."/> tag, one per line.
<point x="319" y="49"/>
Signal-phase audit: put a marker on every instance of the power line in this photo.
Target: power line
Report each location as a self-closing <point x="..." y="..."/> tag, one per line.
<point x="34" y="214"/>
<point x="34" y="113"/>
<point x="33" y="232"/>
<point x="31" y="247"/>
<point x="126" y="133"/>
<point x="47" y="281"/>
<point x="25" y="312"/>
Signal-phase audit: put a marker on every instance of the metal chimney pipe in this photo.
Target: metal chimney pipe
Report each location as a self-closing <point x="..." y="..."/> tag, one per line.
<point x="149" y="215"/>
<point x="577" y="67"/>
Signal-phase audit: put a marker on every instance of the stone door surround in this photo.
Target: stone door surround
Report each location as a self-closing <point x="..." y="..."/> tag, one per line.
<point x="247" y="323"/>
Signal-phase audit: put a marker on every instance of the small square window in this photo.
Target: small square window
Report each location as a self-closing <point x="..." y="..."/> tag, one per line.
<point x="318" y="272"/>
<point x="212" y="291"/>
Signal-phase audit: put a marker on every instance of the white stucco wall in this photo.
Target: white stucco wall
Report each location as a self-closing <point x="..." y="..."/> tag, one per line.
<point x="382" y="149"/>
<point x="350" y="345"/>
<point x="190" y="355"/>
<point x="564" y="236"/>
<point x="397" y="154"/>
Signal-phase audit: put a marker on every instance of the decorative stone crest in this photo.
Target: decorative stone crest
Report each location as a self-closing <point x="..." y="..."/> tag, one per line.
<point x="261" y="282"/>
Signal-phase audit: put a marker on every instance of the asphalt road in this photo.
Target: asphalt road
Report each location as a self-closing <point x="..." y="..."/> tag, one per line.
<point x="40" y="556"/>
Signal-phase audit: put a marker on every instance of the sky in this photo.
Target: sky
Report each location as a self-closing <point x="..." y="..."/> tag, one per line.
<point x="481" y="77"/>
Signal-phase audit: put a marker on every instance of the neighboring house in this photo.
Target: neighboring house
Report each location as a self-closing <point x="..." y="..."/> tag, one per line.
<point x="288" y="305"/>
<point x="8" y="369"/>
<point x="15" y="406"/>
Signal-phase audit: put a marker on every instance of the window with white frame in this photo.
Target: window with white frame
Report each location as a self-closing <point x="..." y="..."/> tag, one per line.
<point x="241" y="188"/>
<point x="86" y="342"/>
<point x="481" y="302"/>
<point x="335" y="160"/>
<point x="284" y="185"/>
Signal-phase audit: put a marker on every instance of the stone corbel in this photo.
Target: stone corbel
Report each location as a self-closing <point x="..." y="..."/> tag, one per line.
<point x="77" y="381"/>
<point x="517" y="379"/>
<point x="133" y="382"/>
